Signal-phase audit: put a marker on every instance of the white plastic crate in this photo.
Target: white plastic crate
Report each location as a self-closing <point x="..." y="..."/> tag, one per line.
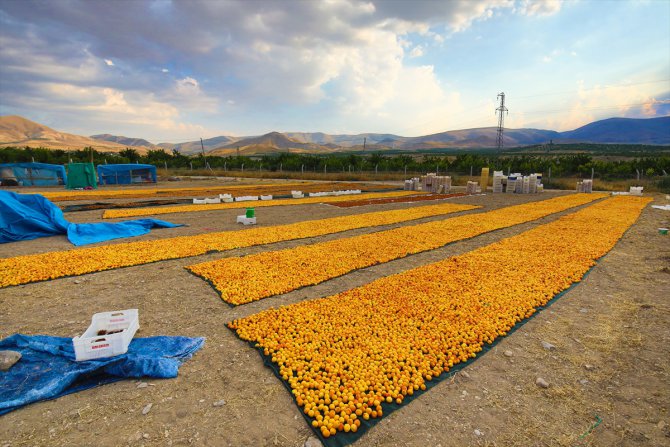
<point x="108" y="335"/>
<point x="268" y="197"/>
<point x="243" y="219"/>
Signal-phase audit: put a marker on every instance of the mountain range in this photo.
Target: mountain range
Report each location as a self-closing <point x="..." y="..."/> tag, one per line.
<point x="19" y="131"/>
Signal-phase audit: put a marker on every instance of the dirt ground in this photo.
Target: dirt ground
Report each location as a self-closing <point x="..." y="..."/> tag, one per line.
<point x="611" y="358"/>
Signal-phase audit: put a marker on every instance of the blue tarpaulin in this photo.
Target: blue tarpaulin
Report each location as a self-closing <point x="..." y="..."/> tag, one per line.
<point x="29" y="216"/>
<point x="125" y="174"/>
<point x="48" y="369"/>
<point x="32" y="174"/>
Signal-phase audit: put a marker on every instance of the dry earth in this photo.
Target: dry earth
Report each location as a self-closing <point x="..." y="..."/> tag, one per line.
<point x="617" y="321"/>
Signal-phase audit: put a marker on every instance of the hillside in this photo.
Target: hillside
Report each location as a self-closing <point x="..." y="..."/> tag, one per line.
<point x="268" y="143"/>
<point x="343" y="140"/>
<point x="126" y="141"/>
<point x="19" y="131"/>
<point x="623" y="130"/>
<point x="193" y="147"/>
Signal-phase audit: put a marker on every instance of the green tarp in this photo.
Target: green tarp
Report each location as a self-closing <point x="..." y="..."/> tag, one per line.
<point x="81" y="175"/>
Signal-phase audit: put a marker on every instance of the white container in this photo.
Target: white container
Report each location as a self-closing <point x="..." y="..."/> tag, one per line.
<point x="212" y="201"/>
<point x="268" y="197"/>
<point x="224" y="197"/>
<point x="199" y="201"/>
<point x="97" y="342"/>
<point x="246" y="198"/>
<point x="636" y="190"/>
<point x="243" y="219"/>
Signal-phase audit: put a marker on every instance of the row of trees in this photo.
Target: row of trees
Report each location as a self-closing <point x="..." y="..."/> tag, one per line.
<point x="572" y="165"/>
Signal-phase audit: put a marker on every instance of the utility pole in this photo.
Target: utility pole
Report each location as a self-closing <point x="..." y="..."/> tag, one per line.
<point x="202" y="147"/>
<point x="501" y="110"/>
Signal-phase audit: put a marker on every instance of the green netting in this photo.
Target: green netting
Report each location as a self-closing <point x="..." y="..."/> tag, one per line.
<point x="81" y="175"/>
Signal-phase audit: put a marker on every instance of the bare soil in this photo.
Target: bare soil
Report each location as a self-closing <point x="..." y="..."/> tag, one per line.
<point x="616" y="321"/>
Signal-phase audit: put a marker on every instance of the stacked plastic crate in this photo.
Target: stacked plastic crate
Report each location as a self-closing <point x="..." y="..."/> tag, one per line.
<point x="498" y="179"/>
<point x="512" y="181"/>
<point x="412" y="184"/>
<point x="436" y="183"/>
<point x="585" y="186"/>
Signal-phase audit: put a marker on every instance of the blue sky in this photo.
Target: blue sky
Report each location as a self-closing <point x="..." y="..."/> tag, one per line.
<point x="173" y="71"/>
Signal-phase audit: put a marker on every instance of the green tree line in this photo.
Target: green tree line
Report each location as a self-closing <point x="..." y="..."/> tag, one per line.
<point x="567" y="165"/>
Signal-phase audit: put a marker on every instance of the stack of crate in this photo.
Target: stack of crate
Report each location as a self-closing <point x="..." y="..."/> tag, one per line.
<point x="412" y="184"/>
<point x="532" y="183"/>
<point x="484" y="181"/>
<point x="512" y="181"/>
<point x="498" y="180"/>
<point x="472" y="188"/>
<point x="585" y="186"/>
<point x="436" y="183"/>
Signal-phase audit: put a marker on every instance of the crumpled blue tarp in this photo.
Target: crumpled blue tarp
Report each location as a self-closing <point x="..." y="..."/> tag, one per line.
<point x="29" y="216"/>
<point x="48" y="369"/>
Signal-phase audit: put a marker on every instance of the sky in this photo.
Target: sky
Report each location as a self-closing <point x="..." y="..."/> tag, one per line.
<point x="178" y="70"/>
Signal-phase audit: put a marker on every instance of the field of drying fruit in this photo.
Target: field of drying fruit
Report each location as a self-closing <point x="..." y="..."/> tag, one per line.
<point x="397" y="322"/>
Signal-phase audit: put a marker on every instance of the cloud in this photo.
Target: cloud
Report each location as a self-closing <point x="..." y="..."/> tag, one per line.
<point x="601" y="101"/>
<point x="417" y="51"/>
<point x="345" y="56"/>
<point x="539" y="7"/>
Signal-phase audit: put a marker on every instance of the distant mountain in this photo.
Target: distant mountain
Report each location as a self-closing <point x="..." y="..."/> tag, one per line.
<point x="193" y="147"/>
<point x="19" y="131"/>
<point x="122" y="140"/>
<point x="342" y="140"/>
<point x="623" y="130"/>
<point x="268" y="143"/>
<point x="480" y="137"/>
